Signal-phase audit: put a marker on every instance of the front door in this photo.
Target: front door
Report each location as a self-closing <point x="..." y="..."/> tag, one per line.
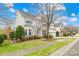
<point x="57" y="34"/>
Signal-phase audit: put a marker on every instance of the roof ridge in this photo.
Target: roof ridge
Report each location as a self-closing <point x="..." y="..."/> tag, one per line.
<point x="25" y="13"/>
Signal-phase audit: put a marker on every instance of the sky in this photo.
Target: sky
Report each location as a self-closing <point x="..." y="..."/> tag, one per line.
<point x="72" y="11"/>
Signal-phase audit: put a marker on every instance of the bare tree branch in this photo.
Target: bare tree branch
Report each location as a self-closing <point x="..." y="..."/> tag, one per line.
<point x="49" y="13"/>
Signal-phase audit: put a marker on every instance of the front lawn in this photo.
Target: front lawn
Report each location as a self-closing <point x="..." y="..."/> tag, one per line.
<point x="50" y="49"/>
<point x="7" y="47"/>
<point x="77" y="35"/>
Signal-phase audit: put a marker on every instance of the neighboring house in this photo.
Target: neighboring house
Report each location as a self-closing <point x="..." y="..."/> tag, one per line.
<point x="33" y="25"/>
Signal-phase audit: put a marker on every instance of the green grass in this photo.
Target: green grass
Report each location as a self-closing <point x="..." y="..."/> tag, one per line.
<point x="7" y="47"/>
<point x="1" y="32"/>
<point x="50" y="49"/>
<point x="77" y="35"/>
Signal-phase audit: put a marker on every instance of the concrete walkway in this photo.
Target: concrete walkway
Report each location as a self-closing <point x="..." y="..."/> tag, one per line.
<point x="65" y="50"/>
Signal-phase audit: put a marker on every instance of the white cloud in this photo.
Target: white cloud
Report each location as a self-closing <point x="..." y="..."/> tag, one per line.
<point x="64" y="23"/>
<point x="63" y="18"/>
<point x="24" y="9"/>
<point x="73" y="19"/>
<point x="61" y="7"/>
<point x="73" y="14"/>
<point x="12" y="10"/>
<point x="9" y="4"/>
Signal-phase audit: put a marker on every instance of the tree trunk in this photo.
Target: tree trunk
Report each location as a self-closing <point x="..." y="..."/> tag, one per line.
<point x="20" y="38"/>
<point x="47" y="32"/>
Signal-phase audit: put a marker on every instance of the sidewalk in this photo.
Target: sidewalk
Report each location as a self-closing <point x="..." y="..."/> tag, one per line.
<point x="64" y="49"/>
<point x="74" y="51"/>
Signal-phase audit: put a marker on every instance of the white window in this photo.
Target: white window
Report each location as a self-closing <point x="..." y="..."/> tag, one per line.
<point x="44" y="32"/>
<point x="44" y="25"/>
<point x="26" y="31"/>
<point x="28" y="22"/>
<point x="29" y="31"/>
<point x="37" y="31"/>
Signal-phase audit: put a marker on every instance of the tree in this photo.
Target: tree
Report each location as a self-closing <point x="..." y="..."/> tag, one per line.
<point x="51" y="14"/>
<point x="20" y="33"/>
<point x="7" y="31"/>
<point x="1" y="39"/>
<point x="4" y="36"/>
<point x="12" y="35"/>
<point x="70" y="30"/>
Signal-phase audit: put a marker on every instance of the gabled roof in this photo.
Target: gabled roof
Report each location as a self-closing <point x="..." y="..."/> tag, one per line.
<point x="25" y="14"/>
<point x="58" y="24"/>
<point x="33" y="17"/>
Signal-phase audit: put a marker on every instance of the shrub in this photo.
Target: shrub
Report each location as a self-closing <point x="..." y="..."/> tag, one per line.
<point x="1" y="39"/>
<point x="26" y="38"/>
<point x="66" y="34"/>
<point x="49" y="36"/>
<point x="4" y="36"/>
<point x="29" y="38"/>
<point x="20" y="32"/>
<point x="74" y="33"/>
<point x="37" y="37"/>
<point x="32" y="37"/>
<point x="12" y="35"/>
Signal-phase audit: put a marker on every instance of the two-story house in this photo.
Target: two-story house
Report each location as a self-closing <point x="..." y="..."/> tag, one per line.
<point x="33" y="25"/>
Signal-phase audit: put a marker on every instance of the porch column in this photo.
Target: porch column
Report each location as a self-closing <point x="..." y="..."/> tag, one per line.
<point x="41" y="33"/>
